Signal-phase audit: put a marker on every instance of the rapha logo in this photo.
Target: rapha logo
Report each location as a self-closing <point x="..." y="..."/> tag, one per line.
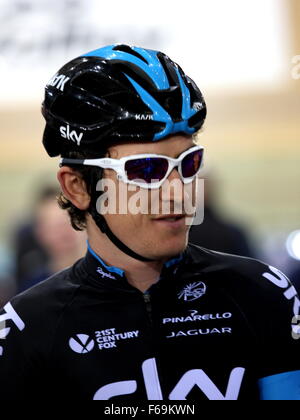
<point x="66" y="133"/>
<point x="103" y="274"/>
<point x="82" y="344"/>
<point x="59" y="81"/>
<point x="193" y="291"/>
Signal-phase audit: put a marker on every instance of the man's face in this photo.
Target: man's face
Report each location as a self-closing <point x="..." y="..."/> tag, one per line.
<point x="155" y="236"/>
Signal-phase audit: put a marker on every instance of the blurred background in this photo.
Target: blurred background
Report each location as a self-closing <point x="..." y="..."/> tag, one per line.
<point x="245" y="57"/>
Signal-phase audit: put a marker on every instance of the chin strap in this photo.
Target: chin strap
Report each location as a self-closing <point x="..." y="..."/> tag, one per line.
<point x="103" y="226"/>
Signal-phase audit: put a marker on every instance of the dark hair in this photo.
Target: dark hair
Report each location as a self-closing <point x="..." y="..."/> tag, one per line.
<point x="90" y="176"/>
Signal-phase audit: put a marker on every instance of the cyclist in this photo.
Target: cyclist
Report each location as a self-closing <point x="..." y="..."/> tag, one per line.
<point x="144" y="316"/>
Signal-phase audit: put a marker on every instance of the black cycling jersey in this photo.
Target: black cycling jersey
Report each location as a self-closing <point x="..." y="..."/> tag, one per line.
<point x="215" y="326"/>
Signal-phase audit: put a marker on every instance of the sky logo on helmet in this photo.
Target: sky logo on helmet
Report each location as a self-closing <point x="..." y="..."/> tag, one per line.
<point x="66" y="133"/>
<point x="58" y="81"/>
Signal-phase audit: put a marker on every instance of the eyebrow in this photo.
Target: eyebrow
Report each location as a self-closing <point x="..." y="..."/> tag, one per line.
<point x="185" y="150"/>
<point x="193" y="144"/>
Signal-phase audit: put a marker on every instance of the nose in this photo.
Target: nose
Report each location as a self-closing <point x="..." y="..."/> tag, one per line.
<point x="172" y="191"/>
<point x="174" y="175"/>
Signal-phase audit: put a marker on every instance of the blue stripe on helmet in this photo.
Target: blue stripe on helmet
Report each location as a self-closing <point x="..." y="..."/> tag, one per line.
<point x="159" y="78"/>
<point x="187" y="111"/>
<point x="285" y="386"/>
<point x="160" y="114"/>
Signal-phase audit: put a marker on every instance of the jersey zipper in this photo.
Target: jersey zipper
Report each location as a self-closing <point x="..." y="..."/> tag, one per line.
<point x="147" y="300"/>
<point x="154" y="363"/>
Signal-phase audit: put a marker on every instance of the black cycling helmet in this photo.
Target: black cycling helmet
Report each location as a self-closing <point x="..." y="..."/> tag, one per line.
<point x="118" y="93"/>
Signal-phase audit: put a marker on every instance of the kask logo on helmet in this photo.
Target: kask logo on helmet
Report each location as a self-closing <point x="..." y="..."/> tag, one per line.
<point x="142" y="117"/>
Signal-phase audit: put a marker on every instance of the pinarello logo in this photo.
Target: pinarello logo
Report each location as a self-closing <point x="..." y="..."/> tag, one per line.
<point x="82" y="344"/>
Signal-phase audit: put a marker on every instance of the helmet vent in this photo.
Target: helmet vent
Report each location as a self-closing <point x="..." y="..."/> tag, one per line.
<point x="129" y="50"/>
<point x="96" y="84"/>
<point x="169" y="70"/>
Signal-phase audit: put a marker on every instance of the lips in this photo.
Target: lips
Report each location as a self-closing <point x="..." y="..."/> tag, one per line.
<point x="172" y="221"/>
<point x="171" y="218"/>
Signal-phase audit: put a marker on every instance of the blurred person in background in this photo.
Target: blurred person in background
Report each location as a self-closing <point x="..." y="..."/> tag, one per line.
<point x="144" y="315"/>
<point x="216" y="232"/>
<point x="30" y="256"/>
<point x="7" y="280"/>
<point x="46" y="244"/>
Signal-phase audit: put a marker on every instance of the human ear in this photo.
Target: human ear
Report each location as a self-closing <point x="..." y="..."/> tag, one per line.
<point x="74" y="187"/>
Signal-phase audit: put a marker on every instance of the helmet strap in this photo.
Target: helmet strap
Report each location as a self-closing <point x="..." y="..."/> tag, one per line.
<point x="103" y="226"/>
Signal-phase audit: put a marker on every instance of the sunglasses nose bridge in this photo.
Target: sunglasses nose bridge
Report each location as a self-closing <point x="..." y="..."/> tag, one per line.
<point x="175" y="166"/>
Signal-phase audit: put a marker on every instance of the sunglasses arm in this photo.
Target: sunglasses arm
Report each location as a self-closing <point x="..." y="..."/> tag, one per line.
<point x="105" y="163"/>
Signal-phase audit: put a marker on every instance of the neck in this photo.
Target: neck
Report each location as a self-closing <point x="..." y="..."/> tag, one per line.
<point x="139" y="274"/>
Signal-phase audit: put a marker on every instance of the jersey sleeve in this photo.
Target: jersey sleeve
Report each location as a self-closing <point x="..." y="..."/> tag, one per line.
<point x="20" y="360"/>
<point x="279" y="366"/>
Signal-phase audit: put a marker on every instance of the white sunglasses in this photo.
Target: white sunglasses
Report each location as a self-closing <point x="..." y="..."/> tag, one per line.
<point x="148" y="170"/>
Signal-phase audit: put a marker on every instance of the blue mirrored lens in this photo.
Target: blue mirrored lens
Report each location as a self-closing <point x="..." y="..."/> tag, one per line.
<point x="190" y="165"/>
<point x="146" y="169"/>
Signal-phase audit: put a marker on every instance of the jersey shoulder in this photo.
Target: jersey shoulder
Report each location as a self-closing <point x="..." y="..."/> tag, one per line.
<point x="252" y="282"/>
<point x="42" y="304"/>
<point x="244" y="269"/>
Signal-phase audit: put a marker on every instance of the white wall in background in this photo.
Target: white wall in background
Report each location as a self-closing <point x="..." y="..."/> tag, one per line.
<point x="221" y="44"/>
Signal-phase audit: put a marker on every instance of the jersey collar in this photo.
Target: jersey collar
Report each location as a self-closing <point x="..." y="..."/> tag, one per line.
<point x="102" y="271"/>
<point x="115" y="271"/>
